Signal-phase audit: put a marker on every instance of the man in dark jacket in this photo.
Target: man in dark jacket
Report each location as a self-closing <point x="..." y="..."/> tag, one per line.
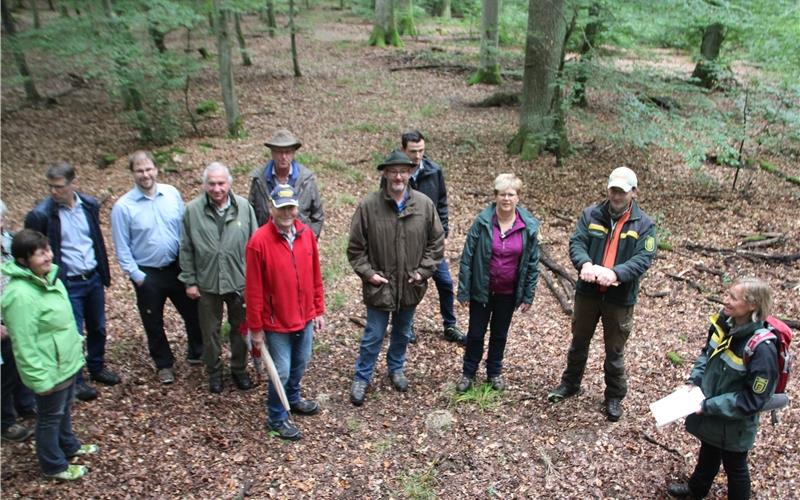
<point x="396" y="242"/>
<point x="71" y="221"/>
<point x="428" y="179"/>
<point x="613" y="245"/>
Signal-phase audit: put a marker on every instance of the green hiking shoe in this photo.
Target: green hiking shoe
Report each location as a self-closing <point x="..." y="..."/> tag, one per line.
<point x="71" y="473"/>
<point x="86" y="449"/>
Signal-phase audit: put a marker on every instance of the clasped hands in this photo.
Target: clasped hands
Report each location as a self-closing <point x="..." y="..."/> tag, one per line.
<point x="592" y="273"/>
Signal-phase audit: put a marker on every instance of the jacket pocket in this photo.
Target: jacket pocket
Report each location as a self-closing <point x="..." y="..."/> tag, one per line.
<point x="380" y="296"/>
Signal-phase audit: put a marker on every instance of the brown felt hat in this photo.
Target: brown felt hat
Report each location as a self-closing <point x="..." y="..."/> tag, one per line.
<point x="398" y="158"/>
<point x="282" y="138"/>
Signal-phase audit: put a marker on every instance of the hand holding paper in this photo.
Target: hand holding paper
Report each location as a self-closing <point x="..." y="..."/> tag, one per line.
<point x="682" y="402"/>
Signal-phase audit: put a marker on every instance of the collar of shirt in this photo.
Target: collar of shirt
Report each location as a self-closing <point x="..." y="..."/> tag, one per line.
<point x="219" y="210"/>
<point x="270" y="172"/>
<point x="415" y="175"/>
<point x="401" y="205"/>
<point x="78" y="202"/>
<point x="140" y="194"/>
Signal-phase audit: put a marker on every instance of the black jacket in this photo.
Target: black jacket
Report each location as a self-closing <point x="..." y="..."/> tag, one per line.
<point x="44" y="218"/>
<point x="430" y="182"/>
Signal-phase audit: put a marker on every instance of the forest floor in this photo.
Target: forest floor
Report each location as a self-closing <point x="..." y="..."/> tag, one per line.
<point x="349" y="110"/>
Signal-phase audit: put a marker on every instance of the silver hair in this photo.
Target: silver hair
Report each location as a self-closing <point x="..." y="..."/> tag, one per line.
<point x="216" y="167"/>
<point x="507" y="181"/>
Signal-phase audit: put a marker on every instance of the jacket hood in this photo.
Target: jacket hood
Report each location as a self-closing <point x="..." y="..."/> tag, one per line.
<point x="14" y="270"/>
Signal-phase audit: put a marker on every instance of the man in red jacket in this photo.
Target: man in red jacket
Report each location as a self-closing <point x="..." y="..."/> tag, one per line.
<point x="285" y="302"/>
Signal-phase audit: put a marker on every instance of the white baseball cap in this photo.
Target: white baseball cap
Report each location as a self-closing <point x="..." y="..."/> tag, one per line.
<point x="623" y="178"/>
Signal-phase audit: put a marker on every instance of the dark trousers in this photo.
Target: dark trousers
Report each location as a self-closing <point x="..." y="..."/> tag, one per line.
<point x="617" y="325"/>
<point x="735" y="463"/>
<point x="15" y="396"/>
<point x="159" y="285"/>
<point x="210" y="306"/>
<point x="496" y="314"/>
<point x="444" y="285"/>
<point x="55" y="441"/>
<point x="88" y="301"/>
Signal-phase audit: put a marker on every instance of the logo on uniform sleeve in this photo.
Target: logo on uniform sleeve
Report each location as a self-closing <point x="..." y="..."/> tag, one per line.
<point x="650" y="244"/>
<point x="759" y="385"/>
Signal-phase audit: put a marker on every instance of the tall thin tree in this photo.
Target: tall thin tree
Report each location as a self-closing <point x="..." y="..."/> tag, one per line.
<point x="237" y="18"/>
<point x="292" y="36"/>
<point x="31" y="94"/>
<point x="222" y="25"/>
<point x="489" y="68"/>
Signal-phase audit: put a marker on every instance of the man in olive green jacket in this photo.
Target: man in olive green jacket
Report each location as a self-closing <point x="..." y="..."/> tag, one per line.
<point x="216" y="227"/>
<point x="396" y="242"/>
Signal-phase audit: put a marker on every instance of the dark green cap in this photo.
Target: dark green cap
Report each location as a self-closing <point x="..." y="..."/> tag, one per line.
<point x="396" y="157"/>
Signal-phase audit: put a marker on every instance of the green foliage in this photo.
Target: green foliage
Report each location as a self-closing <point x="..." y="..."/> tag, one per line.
<point x="483" y="396"/>
<point x="335" y="301"/>
<point x="207" y="108"/>
<point x="334" y="259"/>
<point x="675" y="358"/>
<point x="420" y="485"/>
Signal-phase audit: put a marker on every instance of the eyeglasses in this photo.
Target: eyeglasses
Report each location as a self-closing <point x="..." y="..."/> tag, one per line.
<point x="397" y="173"/>
<point x="57" y="187"/>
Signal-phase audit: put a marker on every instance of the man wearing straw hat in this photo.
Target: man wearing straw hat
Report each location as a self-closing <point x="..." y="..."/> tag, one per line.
<point x="285" y="303"/>
<point x="283" y="169"/>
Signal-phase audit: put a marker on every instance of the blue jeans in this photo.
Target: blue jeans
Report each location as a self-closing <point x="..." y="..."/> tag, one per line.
<point x="88" y="301"/>
<point x="497" y="316"/>
<point x="290" y="352"/>
<point x="444" y="285"/>
<point x="371" y="342"/>
<point x="54" y="438"/>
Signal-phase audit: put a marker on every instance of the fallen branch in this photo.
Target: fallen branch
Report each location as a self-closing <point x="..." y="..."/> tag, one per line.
<point x="563" y="301"/>
<point x="763" y="242"/>
<point x="547" y="260"/>
<point x="701" y="267"/>
<point x="358" y="320"/>
<point x="660" y="445"/>
<point x="459" y="67"/>
<point x="689" y="282"/>
<point x="747" y="254"/>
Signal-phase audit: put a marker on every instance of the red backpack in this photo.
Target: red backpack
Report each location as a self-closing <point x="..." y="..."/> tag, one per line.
<point x="781" y="334"/>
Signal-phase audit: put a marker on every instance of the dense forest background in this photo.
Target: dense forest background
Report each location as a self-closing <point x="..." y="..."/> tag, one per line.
<point x="699" y="97"/>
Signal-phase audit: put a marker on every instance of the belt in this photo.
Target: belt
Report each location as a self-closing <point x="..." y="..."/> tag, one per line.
<point x="171" y="265"/>
<point x="82" y="277"/>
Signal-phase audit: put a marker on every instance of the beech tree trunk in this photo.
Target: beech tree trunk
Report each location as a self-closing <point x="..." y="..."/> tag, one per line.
<point x="590" y="36"/>
<point x="547" y="27"/>
<point x="31" y="94"/>
<point x="232" y="117"/>
<point x="406" y="24"/>
<point x="445" y="12"/>
<point x="706" y="71"/>
<point x="240" y="38"/>
<point x="385" y="31"/>
<point x="37" y="21"/>
<point x="272" y="25"/>
<point x="292" y="33"/>
<point x="489" y="68"/>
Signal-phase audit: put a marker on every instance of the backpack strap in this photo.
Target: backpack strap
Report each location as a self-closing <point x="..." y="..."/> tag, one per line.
<point x="759" y="336"/>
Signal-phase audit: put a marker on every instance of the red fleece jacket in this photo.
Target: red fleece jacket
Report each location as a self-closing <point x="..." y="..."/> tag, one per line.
<point x="283" y="285"/>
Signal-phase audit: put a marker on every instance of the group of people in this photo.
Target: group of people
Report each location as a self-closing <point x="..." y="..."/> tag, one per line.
<point x="222" y="251"/>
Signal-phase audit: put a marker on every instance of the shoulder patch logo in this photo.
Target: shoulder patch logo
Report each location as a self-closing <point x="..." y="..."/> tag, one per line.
<point x="650" y="244"/>
<point x="759" y="385"/>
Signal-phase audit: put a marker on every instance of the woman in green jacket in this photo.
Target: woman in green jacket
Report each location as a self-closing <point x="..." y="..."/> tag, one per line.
<point x="47" y="348"/>
<point x="727" y="421"/>
<point x="498" y="274"/>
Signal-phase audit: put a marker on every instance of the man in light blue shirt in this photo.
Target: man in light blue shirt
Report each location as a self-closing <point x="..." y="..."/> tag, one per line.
<point x="71" y="221"/>
<point x="146" y="225"/>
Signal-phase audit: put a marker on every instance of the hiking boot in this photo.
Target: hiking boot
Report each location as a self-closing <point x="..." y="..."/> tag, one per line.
<point x="242" y="381"/>
<point x="498" y="383"/>
<point x="464" y="384"/>
<point x="194" y="361"/>
<point x="166" y="376"/>
<point x="357" y="392"/>
<point x="305" y="407"/>
<point x="106" y="377"/>
<point x="85" y="393"/>
<point x="562" y="392"/>
<point x="453" y="334"/>
<point x="17" y="433"/>
<point x="613" y="409"/>
<point x="71" y="473"/>
<point x="399" y="380"/>
<point x="85" y="449"/>
<point x="286" y="430"/>
<point x="679" y="490"/>
<point x="215" y="383"/>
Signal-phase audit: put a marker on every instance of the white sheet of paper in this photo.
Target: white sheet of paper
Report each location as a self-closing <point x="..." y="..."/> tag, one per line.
<point x="680" y="403"/>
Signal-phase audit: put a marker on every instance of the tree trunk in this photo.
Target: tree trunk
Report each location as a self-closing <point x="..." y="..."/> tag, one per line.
<point x="108" y="9"/>
<point x="706" y="72"/>
<point x="240" y="38"/>
<point x="384" y="31"/>
<point x="445" y="12"/>
<point x="590" y="35"/>
<point x="489" y="68"/>
<point x="232" y="117"/>
<point x="37" y="21"/>
<point x="272" y="25"/>
<point x="19" y="57"/>
<point x="51" y="5"/>
<point x="547" y="26"/>
<point x="559" y="142"/>
<point x="406" y="24"/>
<point x="62" y="9"/>
<point x="292" y="33"/>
